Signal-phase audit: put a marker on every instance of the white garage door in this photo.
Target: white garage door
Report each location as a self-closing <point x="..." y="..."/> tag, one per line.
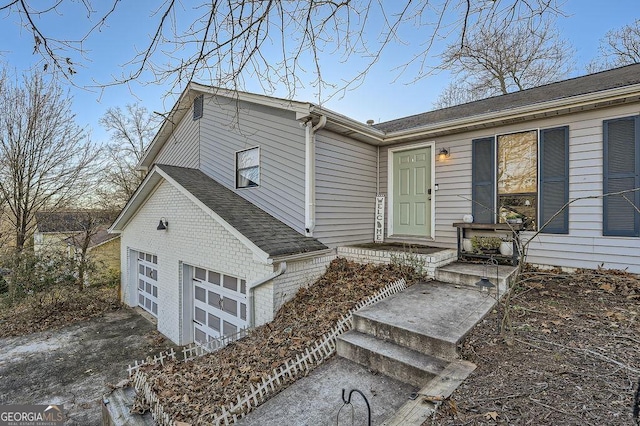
<point x="148" y="282"/>
<point x="219" y="303"/>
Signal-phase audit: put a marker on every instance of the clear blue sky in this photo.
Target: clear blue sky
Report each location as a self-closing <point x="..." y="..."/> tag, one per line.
<point x="384" y="95"/>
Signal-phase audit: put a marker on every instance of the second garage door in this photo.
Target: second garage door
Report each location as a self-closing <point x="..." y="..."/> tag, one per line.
<point x="220" y="304"/>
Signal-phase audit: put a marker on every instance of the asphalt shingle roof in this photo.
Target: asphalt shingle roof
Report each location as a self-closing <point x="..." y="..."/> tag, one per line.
<point x="618" y="77"/>
<point x="265" y="231"/>
<point x="73" y="221"/>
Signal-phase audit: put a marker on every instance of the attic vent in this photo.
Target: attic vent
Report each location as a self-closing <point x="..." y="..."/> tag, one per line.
<point x="198" y="103"/>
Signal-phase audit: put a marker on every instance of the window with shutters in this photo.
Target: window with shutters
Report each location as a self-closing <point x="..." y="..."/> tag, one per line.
<point x="523" y="175"/>
<point x="517" y="177"/>
<point x="621" y="176"/>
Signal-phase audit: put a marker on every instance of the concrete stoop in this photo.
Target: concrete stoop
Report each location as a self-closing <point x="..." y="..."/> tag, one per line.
<point x="468" y="274"/>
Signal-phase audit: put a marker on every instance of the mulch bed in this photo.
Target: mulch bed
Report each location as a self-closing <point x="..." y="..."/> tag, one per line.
<point x="194" y="391"/>
<point x="56" y="308"/>
<point x="572" y="357"/>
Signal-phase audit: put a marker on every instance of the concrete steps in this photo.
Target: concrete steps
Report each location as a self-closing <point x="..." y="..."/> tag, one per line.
<point x="390" y="359"/>
<point x="413" y="336"/>
<point x="468" y="274"/>
<point x="406" y="335"/>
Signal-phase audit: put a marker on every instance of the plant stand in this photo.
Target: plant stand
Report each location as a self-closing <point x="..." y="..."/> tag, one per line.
<point x="512" y="228"/>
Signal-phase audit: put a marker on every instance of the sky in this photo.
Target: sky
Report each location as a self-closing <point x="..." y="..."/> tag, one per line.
<point x="384" y="94"/>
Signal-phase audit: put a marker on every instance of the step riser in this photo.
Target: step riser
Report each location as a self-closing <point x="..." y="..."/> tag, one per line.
<point x="418" y="342"/>
<point x="468" y="279"/>
<point x="383" y="364"/>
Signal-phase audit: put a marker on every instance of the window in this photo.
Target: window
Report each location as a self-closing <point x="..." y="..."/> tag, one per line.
<point x="507" y="178"/>
<point x="517" y="176"/>
<point x="198" y="107"/>
<point x="248" y="168"/>
<point x="621" y="173"/>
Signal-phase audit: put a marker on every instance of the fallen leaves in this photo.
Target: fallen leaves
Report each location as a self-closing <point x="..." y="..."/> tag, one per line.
<point x="216" y="379"/>
<point x="569" y="361"/>
<point x="65" y="306"/>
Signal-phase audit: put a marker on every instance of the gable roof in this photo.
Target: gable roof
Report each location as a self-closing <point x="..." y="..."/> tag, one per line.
<point x="72" y="221"/>
<point x="591" y="91"/>
<point x="102" y="236"/>
<point x="601" y="81"/>
<point x="244" y="219"/>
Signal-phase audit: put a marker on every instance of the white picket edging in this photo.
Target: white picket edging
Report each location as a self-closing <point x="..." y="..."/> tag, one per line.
<point x="304" y="362"/>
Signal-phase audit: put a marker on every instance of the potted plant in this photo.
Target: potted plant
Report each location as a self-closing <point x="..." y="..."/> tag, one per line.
<point x="514" y="217"/>
<point x="506" y="248"/>
<point x="486" y="245"/>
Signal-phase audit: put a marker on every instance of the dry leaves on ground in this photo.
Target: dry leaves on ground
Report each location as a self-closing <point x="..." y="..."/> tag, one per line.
<point x="56" y="308"/>
<point x="573" y="359"/>
<point x="193" y="392"/>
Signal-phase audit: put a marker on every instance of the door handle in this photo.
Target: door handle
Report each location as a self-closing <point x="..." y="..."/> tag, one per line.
<point x="429" y="191"/>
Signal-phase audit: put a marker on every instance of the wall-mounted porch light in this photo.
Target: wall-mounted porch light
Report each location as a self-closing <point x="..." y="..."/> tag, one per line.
<point x="443" y="154"/>
<point x="162" y="226"/>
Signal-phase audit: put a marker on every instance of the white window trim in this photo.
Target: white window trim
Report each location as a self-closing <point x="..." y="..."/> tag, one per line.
<point x="235" y="167"/>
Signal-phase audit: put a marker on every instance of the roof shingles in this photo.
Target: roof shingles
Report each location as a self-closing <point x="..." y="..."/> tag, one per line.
<point x="611" y="79"/>
<point x="265" y="231"/>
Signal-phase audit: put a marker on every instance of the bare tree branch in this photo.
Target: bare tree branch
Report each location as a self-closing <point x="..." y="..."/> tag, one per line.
<point x="279" y="44"/>
<point x="496" y="60"/>
<point x="618" y="48"/>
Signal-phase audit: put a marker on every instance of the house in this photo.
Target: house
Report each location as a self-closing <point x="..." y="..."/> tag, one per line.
<point x="248" y="197"/>
<point x="66" y="231"/>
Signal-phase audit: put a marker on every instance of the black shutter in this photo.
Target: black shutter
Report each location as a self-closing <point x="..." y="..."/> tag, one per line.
<point x="621" y="171"/>
<point x="483" y="180"/>
<point x="198" y="106"/>
<point x="554" y="179"/>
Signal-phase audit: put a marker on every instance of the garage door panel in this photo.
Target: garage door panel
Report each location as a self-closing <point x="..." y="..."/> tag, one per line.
<point x="214" y="299"/>
<point x="221" y="300"/>
<point x="148" y="282"/>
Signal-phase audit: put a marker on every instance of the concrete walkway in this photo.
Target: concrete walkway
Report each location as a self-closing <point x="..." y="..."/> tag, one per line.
<point x="316" y="399"/>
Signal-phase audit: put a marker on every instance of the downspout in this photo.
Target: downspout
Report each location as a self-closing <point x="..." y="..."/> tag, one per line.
<point x="310" y="174"/>
<point x="261" y="281"/>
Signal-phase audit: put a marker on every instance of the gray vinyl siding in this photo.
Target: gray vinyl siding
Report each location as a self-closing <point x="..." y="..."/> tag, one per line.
<point x="584" y="246"/>
<point x="345" y="190"/>
<point x="182" y="148"/>
<point x="228" y="126"/>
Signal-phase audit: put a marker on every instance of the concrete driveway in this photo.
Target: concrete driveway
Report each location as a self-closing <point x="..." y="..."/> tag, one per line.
<point x="73" y="365"/>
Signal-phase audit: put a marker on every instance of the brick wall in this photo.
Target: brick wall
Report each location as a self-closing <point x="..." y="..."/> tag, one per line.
<point x="300" y="273"/>
<point x="194" y="238"/>
<point x="428" y="261"/>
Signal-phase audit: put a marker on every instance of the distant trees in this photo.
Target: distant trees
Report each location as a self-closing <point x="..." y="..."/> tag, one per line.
<point x="497" y="60"/>
<point x="46" y="160"/>
<point x="131" y="131"/>
<point x="617" y="48"/>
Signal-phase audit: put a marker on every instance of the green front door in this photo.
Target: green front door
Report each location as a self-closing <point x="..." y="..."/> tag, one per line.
<point x="411" y="192"/>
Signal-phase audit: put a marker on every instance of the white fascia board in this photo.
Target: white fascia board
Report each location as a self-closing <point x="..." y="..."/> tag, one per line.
<point x="258" y="254"/>
<point x="135" y="202"/>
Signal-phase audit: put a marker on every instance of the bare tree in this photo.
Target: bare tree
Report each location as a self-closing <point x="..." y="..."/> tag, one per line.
<point x="273" y="42"/>
<point x="131" y="131"/>
<point x="618" y="48"/>
<point x="45" y="158"/>
<point x="496" y="61"/>
<point x="91" y="226"/>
